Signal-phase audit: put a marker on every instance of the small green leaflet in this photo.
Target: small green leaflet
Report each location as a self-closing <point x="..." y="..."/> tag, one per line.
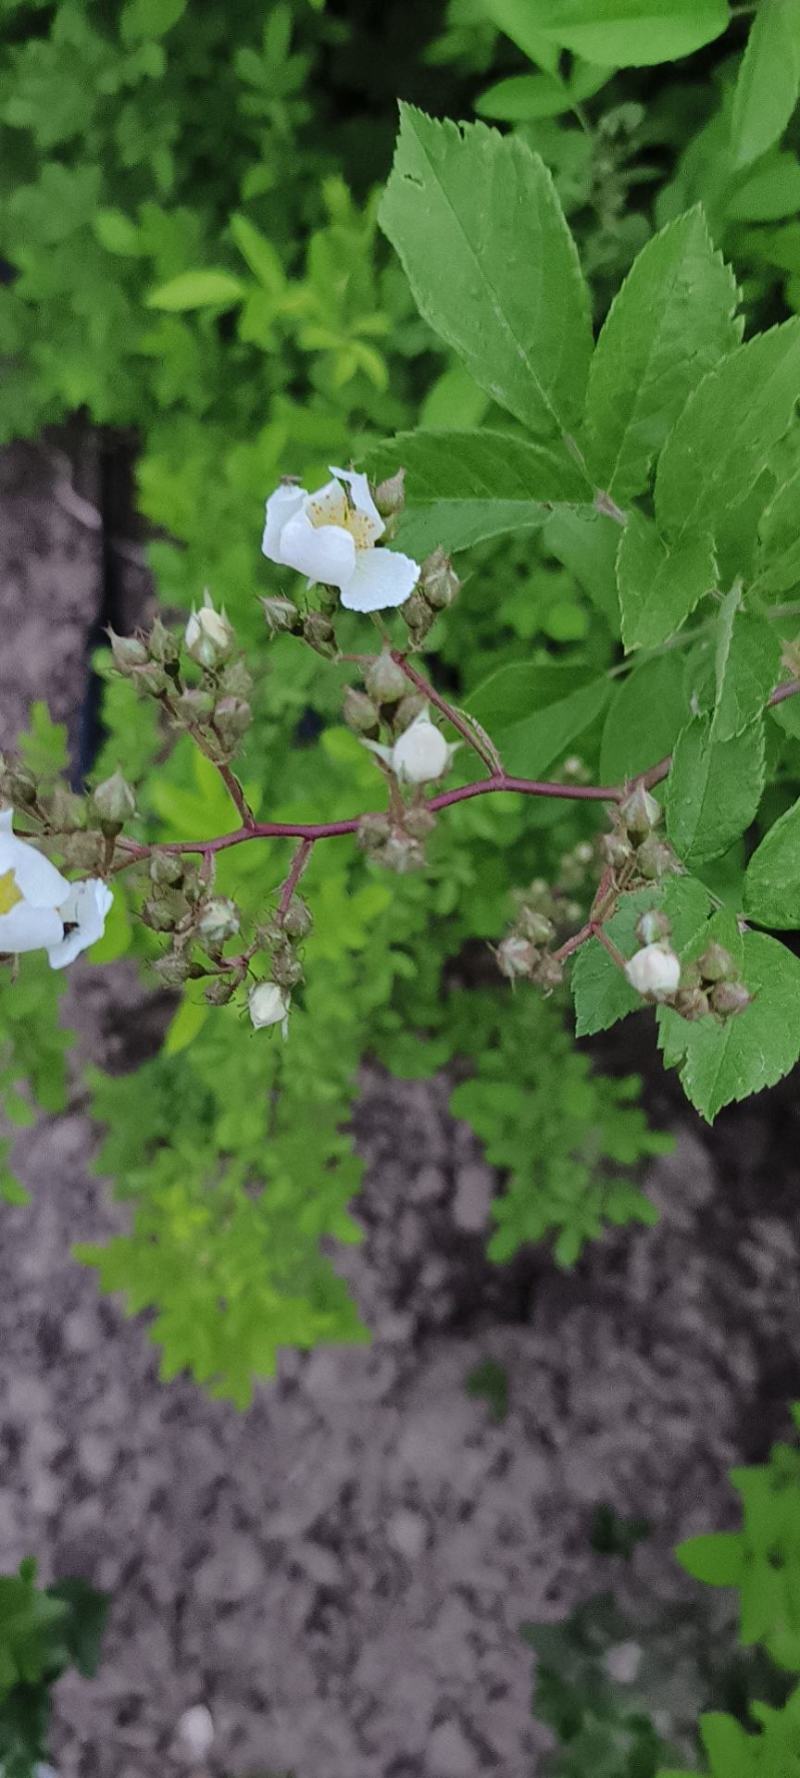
<point x="463" y="487"/>
<point x="671" y="321"/>
<point x="772" y="882"/>
<point x="647" y="712"/>
<point x="586" y="543"/>
<point x="766" y="89"/>
<point x="717" y="1558"/>
<point x="722" y="1062"/>
<point x="714" y="788"/>
<point x="602" y="994"/>
<point x="659" y="583"/>
<point x="777" y="566"/>
<point x="747" y="666"/>
<point x="630" y="32"/>
<point x="530" y="744"/>
<point x="209" y="289"/>
<point x="475" y="219"/>
<point x="722" y="440"/>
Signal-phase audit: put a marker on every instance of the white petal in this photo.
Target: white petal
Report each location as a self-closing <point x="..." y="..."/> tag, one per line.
<point x="384" y="753"/>
<point x="87" y="904"/>
<point x="362" y="501"/>
<point x="37" y="880"/>
<point x="324" y="552"/>
<point x="281" y="506"/>
<point x="27" y="928"/>
<point x="382" y="578"/>
<point x="327" y="506"/>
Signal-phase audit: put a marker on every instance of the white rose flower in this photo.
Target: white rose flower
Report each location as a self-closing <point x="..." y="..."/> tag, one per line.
<point x="269" y="1005"/>
<point x="330" y="536"/>
<point x="419" y="755"/>
<point x="655" y="970"/>
<point x="38" y="905"/>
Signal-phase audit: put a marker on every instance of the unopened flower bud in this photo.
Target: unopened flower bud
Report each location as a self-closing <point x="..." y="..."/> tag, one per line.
<point x="418" y="614"/>
<point x="716" y="964"/>
<point x="298" y="919"/>
<point x="654" y="972"/>
<point x="287" y="969"/>
<point x="655" y="859"/>
<point x="20" y="785"/>
<point x="152" y="678"/>
<point x="218" y="920"/>
<point x="728" y="998"/>
<point x="82" y="851"/>
<point x="373" y="832"/>
<point x="384" y="680"/>
<point x="113" y="803"/>
<point x="319" y="633"/>
<point x="359" y="712"/>
<point x="232" y="718"/>
<point x="127" y="652"/>
<point x="269" y="1005"/>
<point x="652" y="926"/>
<point x="616" y="850"/>
<point x="402" y="854"/>
<point x="410" y="707"/>
<point x="166" y="869"/>
<point x="235" y="679"/>
<point x="421" y="754"/>
<point x="162" y="646"/>
<point x="535" y="926"/>
<point x="67" y="811"/>
<point x="194" y="706"/>
<point x="221" y="989"/>
<point x="640" y="812"/>
<point x="419" y="821"/>
<point x="549" y="973"/>
<point x="515" y="957"/>
<point x="282" y="616"/>
<point x="390" y="497"/>
<point x="173" y="969"/>
<point x="438" y="581"/>
<point x="691" y="1003"/>
<point x="165" y="912"/>
<point x="208" y="636"/>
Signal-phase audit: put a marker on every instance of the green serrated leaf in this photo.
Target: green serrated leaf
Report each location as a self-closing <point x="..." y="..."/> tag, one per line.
<point x="767" y="85"/>
<point x="672" y="320"/>
<point x="720" y="1063"/>
<point x="772" y="881"/>
<point x="475" y="219"/>
<point x="714" y="788"/>
<point x="660" y="583"/>
<point x="211" y="288"/>
<point x="464" y="487"/>
<point x="746" y="666"/>
<point x="777" y="563"/>
<point x="648" y="709"/>
<point x="722" y="440"/>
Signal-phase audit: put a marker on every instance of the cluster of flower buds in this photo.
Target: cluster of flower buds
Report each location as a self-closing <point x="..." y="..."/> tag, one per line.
<point x="710" y="985"/>
<point x="633" y="849"/>
<point x="526" y="953"/>
<point x="215" y="708"/>
<point x="397" y="841"/>
<point x="435" y="590"/>
<point x="269" y="1000"/>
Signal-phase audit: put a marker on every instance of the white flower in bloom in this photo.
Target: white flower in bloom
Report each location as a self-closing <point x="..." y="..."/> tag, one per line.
<point x="420" y="754"/>
<point x="331" y="535"/>
<point x="269" y="1005"/>
<point x="655" y="970"/>
<point x="39" y="909"/>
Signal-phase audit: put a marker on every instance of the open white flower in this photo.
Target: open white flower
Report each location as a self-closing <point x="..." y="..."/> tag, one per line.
<point x="419" y="755"/>
<point x="269" y="1005"/>
<point x="40" y="909"/>
<point x="331" y="535"/>
<point x="655" y="971"/>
